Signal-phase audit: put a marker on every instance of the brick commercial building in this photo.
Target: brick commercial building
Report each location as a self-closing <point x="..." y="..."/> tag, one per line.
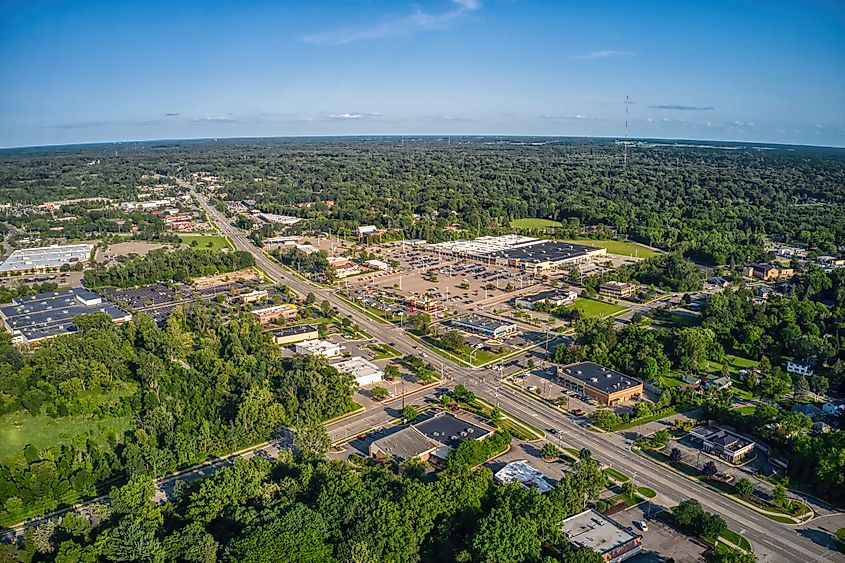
<point x="767" y="272"/>
<point x="286" y="311"/>
<point x="617" y="289"/>
<point x="603" y="384"/>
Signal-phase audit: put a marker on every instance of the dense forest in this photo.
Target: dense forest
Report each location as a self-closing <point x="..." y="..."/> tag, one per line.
<point x="164" y="265"/>
<point x="711" y="204"/>
<point x="297" y="510"/>
<point x="154" y="399"/>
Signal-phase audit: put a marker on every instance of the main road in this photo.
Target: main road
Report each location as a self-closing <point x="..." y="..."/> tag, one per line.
<point x="772" y="541"/>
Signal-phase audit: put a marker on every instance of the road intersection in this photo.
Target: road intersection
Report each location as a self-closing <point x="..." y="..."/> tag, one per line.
<point x="771" y="540"/>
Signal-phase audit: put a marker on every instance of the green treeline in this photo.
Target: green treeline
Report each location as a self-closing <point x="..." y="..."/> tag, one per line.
<point x="193" y="388"/>
<point x="165" y="265"/>
<point x="329" y="511"/>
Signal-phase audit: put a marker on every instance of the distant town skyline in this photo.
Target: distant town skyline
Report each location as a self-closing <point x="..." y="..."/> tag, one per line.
<point x="92" y="71"/>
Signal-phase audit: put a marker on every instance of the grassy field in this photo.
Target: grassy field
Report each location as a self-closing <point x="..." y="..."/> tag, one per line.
<point x="594" y="308"/>
<point x="615" y="475"/>
<point x="534" y="223"/>
<point x="20" y="428"/>
<point x="210" y="242"/>
<point x="619" y="247"/>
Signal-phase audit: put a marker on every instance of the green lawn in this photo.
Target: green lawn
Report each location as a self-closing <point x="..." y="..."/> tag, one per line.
<point x="534" y="223"/>
<point x="737" y="540"/>
<point x="745" y="410"/>
<point x="209" y="242"/>
<point x="619" y="247"/>
<point x="646" y="492"/>
<point x="383" y="351"/>
<point x="615" y="475"/>
<point x="667" y="382"/>
<point x="18" y="429"/>
<point x="479" y="357"/>
<point x="594" y="308"/>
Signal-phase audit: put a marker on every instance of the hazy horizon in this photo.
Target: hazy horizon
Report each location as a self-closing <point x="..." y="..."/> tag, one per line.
<point x="97" y="71"/>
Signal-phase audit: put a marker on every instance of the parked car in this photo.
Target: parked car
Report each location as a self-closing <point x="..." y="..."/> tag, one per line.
<point x="641" y="525"/>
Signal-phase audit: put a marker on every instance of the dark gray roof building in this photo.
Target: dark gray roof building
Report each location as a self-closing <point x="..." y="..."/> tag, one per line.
<point x="35" y="317"/>
<point x="449" y="430"/>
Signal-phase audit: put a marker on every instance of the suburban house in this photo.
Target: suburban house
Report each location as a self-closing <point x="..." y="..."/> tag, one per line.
<point x="718" y="383"/>
<point x="767" y="272"/>
<point x="723" y="443"/>
<point x="800" y="367"/>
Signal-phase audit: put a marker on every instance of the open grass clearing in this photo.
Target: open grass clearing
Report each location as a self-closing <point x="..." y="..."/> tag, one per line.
<point x="534" y="223"/>
<point x="18" y="429"/>
<point x="206" y="242"/>
<point x="619" y="247"/>
<point x="595" y="308"/>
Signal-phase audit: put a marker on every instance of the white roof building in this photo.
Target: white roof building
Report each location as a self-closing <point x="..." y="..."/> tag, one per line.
<point x="524" y="473"/>
<point x="366" y="230"/>
<point x="46" y="257"/>
<point x="364" y="371"/>
<point x="377" y="265"/>
<point x="319" y="348"/>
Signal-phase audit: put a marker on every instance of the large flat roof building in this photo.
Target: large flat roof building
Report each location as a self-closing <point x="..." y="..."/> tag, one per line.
<point x="594" y="530"/>
<point x="45" y="257"/>
<point x="603" y="384"/>
<point x="35" y="317"/>
<point x="484" y="325"/>
<point x="520" y="251"/>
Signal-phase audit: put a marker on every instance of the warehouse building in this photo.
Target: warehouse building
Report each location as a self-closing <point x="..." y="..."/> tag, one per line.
<point x="293" y="334"/>
<point x="46" y="257"/>
<point x="602" y="534"/>
<point x="364" y="371"/>
<point x="520" y="251"/>
<point x="36" y="317"/>
<point x="603" y="384"/>
<point x="487" y="326"/>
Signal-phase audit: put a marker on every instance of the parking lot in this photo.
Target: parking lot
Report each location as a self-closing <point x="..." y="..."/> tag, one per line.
<point x="545" y="385"/>
<point x="661" y="541"/>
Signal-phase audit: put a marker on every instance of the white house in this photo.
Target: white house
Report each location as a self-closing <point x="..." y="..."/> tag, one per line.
<point x="366" y="230"/>
<point x="799" y="367"/>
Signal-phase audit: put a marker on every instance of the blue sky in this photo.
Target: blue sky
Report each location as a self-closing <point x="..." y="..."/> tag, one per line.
<point x="86" y="71"/>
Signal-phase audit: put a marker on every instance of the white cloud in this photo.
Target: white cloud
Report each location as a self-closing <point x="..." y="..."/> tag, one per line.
<point x="404" y="25"/>
<point x="601" y="55"/>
